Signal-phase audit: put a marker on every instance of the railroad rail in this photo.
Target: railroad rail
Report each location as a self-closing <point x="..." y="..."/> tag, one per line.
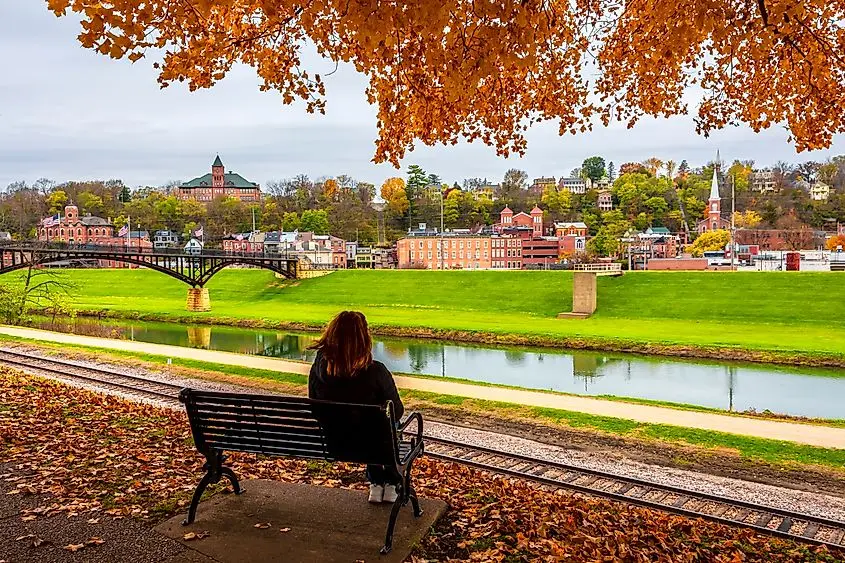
<point x="769" y="520"/>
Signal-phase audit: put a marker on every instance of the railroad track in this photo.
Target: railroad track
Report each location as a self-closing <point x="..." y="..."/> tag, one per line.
<point x="764" y="519"/>
<point x="130" y="385"/>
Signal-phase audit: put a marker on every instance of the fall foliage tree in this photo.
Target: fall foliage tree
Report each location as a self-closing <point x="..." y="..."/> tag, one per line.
<point x="441" y="70"/>
<point x="748" y="219"/>
<point x="835" y="243"/>
<point x="393" y="191"/>
<point x="710" y="240"/>
<point x="330" y="189"/>
<point x="653" y="164"/>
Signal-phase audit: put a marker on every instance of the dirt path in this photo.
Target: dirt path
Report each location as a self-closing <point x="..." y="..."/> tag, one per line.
<point x="821" y="436"/>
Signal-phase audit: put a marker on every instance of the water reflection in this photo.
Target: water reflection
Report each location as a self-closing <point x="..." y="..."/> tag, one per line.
<point x="802" y="392"/>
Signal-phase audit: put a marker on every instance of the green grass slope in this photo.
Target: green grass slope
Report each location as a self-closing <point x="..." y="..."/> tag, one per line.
<point x="800" y="313"/>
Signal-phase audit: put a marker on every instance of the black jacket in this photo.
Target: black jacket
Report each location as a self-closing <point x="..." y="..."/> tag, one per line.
<point x="372" y="386"/>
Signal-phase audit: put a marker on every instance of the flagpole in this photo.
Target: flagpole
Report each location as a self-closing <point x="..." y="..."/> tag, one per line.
<point x="129" y="232"/>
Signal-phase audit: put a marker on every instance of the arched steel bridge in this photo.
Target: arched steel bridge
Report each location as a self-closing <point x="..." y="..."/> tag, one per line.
<point x="195" y="269"/>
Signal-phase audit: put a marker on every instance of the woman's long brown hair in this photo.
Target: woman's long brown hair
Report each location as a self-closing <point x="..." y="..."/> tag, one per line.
<point x="346" y="344"/>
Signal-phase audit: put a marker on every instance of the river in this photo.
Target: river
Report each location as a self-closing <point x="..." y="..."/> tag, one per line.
<point x="732" y="386"/>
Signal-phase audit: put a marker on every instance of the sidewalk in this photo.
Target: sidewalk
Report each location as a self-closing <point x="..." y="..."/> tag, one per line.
<point x="821" y="436"/>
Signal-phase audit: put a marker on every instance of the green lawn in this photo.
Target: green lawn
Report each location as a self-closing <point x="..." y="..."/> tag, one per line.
<point x="787" y="313"/>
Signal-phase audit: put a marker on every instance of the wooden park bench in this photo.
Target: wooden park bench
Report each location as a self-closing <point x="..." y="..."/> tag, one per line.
<point x="275" y="425"/>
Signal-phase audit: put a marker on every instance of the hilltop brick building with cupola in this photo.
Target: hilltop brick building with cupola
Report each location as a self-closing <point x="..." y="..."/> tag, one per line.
<point x="72" y="229"/>
<point x="219" y="184"/>
<point x="523" y="221"/>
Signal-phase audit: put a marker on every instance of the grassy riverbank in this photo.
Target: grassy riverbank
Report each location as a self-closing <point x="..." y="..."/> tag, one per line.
<point x="782" y="454"/>
<point x="768" y="317"/>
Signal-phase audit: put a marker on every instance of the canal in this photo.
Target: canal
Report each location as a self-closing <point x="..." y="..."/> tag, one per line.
<point x="731" y="386"/>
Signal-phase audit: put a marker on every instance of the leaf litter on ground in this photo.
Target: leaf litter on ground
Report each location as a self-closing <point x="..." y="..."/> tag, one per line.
<point x="132" y="460"/>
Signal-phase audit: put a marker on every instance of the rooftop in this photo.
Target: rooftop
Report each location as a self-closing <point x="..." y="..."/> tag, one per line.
<point x="230" y="180"/>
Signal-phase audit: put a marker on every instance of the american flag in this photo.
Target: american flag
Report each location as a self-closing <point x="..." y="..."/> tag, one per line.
<point x="51" y="221"/>
<point x="198" y="232"/>
<point x="124" y="230"/>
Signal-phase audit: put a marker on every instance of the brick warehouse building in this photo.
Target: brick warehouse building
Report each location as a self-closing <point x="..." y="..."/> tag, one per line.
<point x="73" y="229"/>
<point x="219" y="184"/>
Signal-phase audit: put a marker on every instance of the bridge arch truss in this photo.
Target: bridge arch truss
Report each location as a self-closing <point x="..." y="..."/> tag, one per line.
<point x="193" y="269"/>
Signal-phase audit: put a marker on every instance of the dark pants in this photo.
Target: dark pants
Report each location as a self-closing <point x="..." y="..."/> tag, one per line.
<point x="381" y="475"/>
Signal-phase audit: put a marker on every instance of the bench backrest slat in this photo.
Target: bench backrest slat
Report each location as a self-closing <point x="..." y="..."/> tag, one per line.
<point x="290" y="426"/>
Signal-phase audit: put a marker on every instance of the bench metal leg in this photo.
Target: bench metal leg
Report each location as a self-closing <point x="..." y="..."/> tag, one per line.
<point x="234" y="480"/>
<point x="214" y="471"/>
<point x="412" y="494"/>
<point x="391" y="525"/>
<point x="415" y="503"/>
<point x="192" y="511"/>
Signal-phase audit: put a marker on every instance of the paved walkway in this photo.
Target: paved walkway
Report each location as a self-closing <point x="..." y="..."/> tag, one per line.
<point x="823" y="436"/>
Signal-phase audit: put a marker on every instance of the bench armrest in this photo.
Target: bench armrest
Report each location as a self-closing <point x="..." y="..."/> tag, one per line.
<point x="416" y="439"/>
<point x="411" y="417"/>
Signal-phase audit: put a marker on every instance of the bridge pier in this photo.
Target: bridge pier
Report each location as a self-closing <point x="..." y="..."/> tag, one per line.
<point x="583" y="296"/>
<point x="199" y="300"/>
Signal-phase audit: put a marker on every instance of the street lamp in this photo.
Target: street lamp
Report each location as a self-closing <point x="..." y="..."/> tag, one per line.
<point x="379" y="203"/>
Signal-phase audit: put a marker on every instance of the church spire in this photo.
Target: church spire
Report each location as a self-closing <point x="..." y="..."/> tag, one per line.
<point x="714" y="185"/>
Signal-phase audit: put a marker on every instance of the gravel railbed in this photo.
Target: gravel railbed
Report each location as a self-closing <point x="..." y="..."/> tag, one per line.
<point x="817" y="504"/>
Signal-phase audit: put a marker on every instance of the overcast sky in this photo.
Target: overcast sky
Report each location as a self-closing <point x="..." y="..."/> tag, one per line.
<point x="67" y="113"/>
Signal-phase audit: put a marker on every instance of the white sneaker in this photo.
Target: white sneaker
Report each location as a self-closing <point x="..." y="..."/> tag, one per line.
<point x="377" y="494"/>
<point x="390" y="494"/>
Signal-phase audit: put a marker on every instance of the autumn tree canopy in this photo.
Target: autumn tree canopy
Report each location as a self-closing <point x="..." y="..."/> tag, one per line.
<point x="440" y="70"/>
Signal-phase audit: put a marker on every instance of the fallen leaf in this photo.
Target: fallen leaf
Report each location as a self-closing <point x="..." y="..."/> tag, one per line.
<point x="190" y="536"/>
<point x="94" y="521"/>
<point x="27" y="518"/>
<point x="95" y="541"/>
<point x="262" y="525"/>
<point x="284" y="530"/>
<point x="74" y="547"/>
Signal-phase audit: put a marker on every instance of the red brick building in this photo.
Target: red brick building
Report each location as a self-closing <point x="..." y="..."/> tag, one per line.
<point x="219" y="184"/>
<point x="540" y="251"/>
<point x="533" y="220"/>
<point x="73" y="229"/>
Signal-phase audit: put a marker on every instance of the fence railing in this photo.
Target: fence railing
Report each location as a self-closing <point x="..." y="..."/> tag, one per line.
<point x="599" y="267"/>
<point x="138" y="249"/>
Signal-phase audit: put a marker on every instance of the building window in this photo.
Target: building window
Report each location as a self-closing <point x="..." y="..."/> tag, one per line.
<point x="429" y="255"/>
<point x="453" y="255"/>
<point x="412" y="255"/>
<point x="421" y="244"/>
<point x="462" y="245"/>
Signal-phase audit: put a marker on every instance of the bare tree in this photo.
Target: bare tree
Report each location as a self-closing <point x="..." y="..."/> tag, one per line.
<point x="37" y="289"/>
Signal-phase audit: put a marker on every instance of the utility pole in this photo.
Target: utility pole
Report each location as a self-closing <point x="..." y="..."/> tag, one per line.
<point x="733" y="221"/>
<point x="440" y="188"/>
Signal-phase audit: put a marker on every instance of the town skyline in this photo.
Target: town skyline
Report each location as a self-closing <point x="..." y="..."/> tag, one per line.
<point x="112" y="121"/>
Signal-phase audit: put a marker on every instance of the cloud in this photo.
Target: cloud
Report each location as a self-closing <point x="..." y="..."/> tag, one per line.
<point x="68" y="113"/>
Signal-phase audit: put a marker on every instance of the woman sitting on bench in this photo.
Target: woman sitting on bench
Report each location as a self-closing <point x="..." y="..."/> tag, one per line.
<point x="344" y="371"/>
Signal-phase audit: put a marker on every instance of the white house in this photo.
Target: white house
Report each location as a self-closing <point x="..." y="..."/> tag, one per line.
<point x="575" y="185"/>
<point x="819" y="191"/>
<point x="194" y="246"/>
